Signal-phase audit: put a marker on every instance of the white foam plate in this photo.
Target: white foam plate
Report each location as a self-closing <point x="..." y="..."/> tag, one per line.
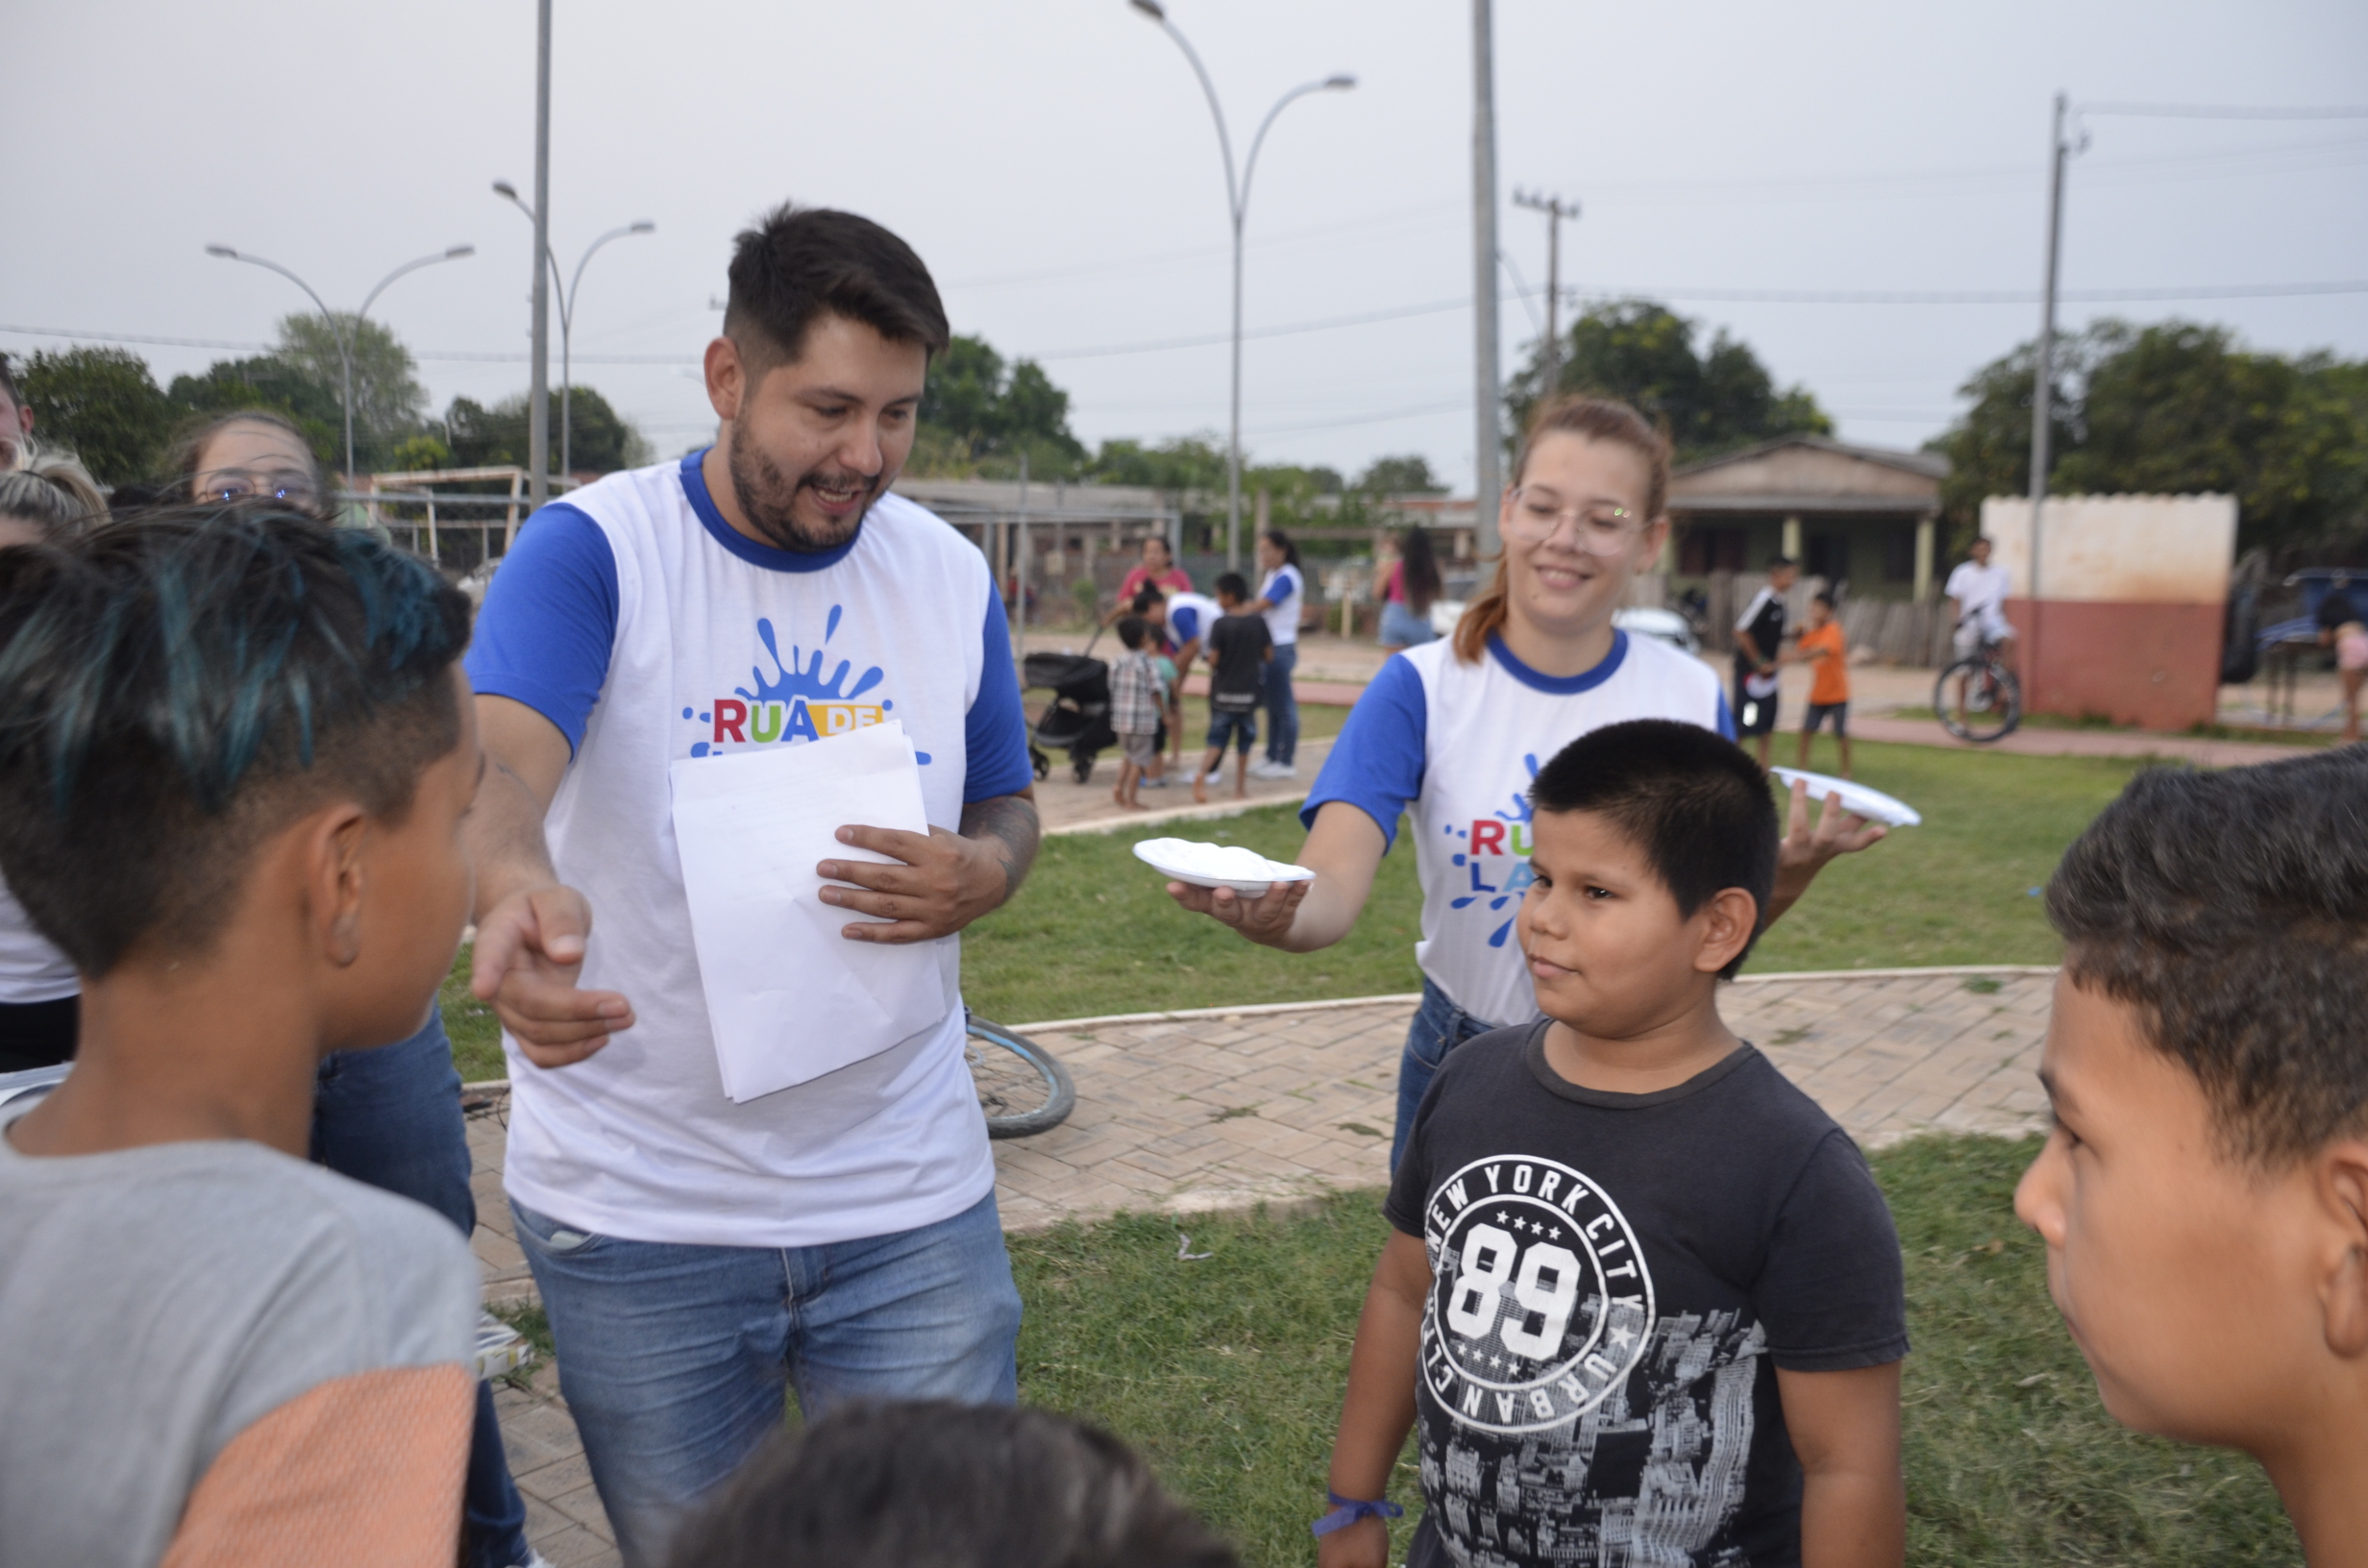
<point x="1218" y="865"/>
<point x="1873" y="804"/>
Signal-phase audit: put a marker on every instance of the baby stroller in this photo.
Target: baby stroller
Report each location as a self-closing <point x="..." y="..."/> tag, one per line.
<point x="1077" y="718"/>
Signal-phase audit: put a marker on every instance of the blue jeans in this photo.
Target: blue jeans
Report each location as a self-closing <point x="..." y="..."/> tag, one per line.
<point x="1282" y="708"/>
<point x="391" y="1118"/>
<point x="677" y="1361"/>
<point x="1439" y="1026"/>
<point x="1402" y="627"/>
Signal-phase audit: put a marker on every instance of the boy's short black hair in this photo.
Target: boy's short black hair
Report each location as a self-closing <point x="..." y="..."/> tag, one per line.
<point x="804" y="262"/>
<point x="1232" y="585"/>
<point x="176" y="687"/>
<point x="1134" y="630"/>
<point x="1777" y="563"/>
<point x="947" y="1485"/>
<point x="1822" y="597"/>
<point x="1148" y="594"/>
<point x="2231" y="910"/>
<point x="1689" y="797"/>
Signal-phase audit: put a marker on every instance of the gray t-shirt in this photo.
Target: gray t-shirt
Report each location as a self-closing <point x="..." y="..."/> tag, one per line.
<point x="155" y="1302"/>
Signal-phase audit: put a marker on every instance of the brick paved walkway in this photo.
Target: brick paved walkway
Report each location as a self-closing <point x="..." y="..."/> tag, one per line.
<point x="1193" y="1112"/>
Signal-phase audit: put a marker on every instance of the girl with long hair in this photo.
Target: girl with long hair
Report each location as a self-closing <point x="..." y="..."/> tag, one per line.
<point x="1451" y="733"/>
<point x="1282" y="592"/>
<point x="1408" y="591"/>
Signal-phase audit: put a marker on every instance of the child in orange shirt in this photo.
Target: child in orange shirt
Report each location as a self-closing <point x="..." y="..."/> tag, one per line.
<point x="1821" y="648"/>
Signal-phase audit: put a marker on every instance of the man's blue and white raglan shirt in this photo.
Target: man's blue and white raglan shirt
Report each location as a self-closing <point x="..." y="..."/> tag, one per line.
<point x="1189" y="616"/>
<point x="646" y="629"/>
<point x="1457" y="746"/>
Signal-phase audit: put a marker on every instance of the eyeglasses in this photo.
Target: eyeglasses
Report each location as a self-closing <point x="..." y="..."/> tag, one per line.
<point x="1600" y="529"/>
<point x="227" y="484"/>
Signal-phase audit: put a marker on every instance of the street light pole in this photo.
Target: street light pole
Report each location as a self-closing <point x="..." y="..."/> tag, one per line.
<point x="342" y="334"/>
<point x="1487" y="486"/>
<point x="538" y="387"/>
<point x="1237" y="205"/>
<point x="567" y="314"/>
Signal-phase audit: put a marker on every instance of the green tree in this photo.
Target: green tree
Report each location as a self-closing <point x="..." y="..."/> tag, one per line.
<point x="1710" y="400"/>
<point x="1407" y="475"/>
<point x="388" y="402"/>
<point x="604" y="441"/>
<point x="267" y="382"/>
<point x="979" y="414"/>
<point x="103" y="404"/>
<point x="1183" y="463"/>
<point x="2175" y="407"/>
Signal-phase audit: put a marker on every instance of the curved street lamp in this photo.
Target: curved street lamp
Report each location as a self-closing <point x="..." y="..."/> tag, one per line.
<point x="1237" y="203"/>
<point x="344" y="336"/>
<point x="567" y="312"/>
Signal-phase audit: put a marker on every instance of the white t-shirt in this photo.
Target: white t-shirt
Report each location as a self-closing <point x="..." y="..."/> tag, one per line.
<point x="32" y="970"/>
<point x="1457" y="744"/>
<point x="1189" y="616"/>
<point x="636" y="620"/>
<point x="1980" y="593"/>
<point x="1282" y="591"/>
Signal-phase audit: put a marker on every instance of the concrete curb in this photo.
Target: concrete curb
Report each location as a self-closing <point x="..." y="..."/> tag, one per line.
<point x="1172" y="814"/>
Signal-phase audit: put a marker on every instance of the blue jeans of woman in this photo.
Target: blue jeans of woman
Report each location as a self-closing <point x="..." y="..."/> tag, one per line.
<point x="391" y="1118"/>
<point x="1439" y="1026"/>
<point x="1282" y="708"/>
<point x="1402" y="627"/>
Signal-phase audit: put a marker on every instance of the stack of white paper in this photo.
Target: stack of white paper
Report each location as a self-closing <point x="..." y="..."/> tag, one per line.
<point x="789" y="998"/>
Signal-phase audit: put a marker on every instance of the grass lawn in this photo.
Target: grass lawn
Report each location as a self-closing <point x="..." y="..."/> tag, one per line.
<point x="1227" y="1373"/>
<point x="1092" y="932"/>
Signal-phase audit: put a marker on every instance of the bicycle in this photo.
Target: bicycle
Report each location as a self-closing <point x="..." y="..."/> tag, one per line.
<point x="1023" y="1088"/>
<point x="1987" y="702"/>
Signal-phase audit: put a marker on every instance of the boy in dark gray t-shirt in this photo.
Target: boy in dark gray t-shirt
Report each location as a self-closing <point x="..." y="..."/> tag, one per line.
<point x="247" y="837"/>
<point x="1644" y="1301"/>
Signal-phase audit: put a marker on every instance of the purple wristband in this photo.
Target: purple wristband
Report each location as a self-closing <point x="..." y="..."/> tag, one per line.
<point x="1347" y="1510"/>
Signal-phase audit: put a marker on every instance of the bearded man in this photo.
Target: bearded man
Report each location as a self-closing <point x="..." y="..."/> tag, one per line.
<point x="699" y="1256"/>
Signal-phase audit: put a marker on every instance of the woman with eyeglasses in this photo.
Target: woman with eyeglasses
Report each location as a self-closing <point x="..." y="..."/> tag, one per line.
<point x="391" y="1117"/>
<point x="1450" y="734"/>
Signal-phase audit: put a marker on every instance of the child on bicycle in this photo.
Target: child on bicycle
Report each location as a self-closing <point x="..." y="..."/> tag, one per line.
<point x="1619" y="1227"/>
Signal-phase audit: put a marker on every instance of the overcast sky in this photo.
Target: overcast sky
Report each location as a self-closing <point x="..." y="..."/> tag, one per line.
<point x="1054" y="163"/>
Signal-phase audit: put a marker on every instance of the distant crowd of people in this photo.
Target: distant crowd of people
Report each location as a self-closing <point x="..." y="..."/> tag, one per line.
<point x="260" y="772"/>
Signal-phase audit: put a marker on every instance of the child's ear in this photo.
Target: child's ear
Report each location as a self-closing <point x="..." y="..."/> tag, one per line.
<point x="338" y="837"/>
<point x="2343" y="1284"/>
<point x="1728" y="921"/>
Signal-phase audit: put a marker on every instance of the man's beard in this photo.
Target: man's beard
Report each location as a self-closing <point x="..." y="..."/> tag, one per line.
<point x="768" y="498"/>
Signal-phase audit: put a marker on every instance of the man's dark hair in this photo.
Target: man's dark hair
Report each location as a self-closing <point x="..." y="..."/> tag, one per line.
<point x="177" y="687"/>
<point x="1232" y="585"/>
<point x="1686" y="797"/>
<point x="1777" y="563"/>
<point x="1148" y="594"/>
<point x="1822" y="597"/>
<point x="937" y="1485"/>
<point x="802" y="262"/>
<point x="2231" y="910"/>
<point x="1134" y="630"/>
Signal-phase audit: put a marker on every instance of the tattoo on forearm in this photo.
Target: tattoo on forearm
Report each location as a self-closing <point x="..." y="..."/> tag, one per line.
<point x="1010" y="820"/>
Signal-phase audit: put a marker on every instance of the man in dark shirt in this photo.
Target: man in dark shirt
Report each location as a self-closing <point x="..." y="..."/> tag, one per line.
<point x="1759" y="637"/>
<point x="1239" y="648"/>
<point x="1643" y="1302"/>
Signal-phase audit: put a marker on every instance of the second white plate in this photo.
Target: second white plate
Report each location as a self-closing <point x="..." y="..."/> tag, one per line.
<point x="1873" y="804"/>
<point x="1218" y="865"/>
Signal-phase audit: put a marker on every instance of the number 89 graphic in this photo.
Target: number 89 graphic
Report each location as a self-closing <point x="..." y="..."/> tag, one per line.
<point x="1545" y="1287"/>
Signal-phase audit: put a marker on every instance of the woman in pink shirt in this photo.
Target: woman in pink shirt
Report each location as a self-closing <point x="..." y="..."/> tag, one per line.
<point x="1158" y="567"/>
<point x="1407" y="591"/>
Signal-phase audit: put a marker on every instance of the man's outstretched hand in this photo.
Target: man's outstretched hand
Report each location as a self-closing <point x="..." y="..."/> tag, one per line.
<point x="529" y="949"/>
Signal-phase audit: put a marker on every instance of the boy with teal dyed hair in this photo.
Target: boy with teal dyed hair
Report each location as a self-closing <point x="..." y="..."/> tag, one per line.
<point x="235" y="751"/>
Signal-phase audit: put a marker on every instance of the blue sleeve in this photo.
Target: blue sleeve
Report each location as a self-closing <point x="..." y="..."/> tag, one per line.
<point x="994" y="734"/>
<point x="1726" y="717"/>
<point x="1276" y="592"/>
<point x="1185" y="621"/>
<point x="550" y="621"/>
<point x="1376" y="765"/>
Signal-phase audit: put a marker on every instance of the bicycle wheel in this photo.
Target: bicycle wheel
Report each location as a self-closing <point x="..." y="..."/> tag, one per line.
<point x="1023" y="1088"/>
<point x="1993" y="699"/>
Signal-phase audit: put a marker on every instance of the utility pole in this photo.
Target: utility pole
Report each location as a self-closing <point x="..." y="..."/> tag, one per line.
<point x="1487" y="485"/>
<point x="2043" y="380"/>
<point x="538" y="391"/>
<point x="1555" y="212"/>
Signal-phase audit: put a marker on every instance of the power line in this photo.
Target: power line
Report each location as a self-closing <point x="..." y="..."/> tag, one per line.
<point x="2227" y="111"/>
